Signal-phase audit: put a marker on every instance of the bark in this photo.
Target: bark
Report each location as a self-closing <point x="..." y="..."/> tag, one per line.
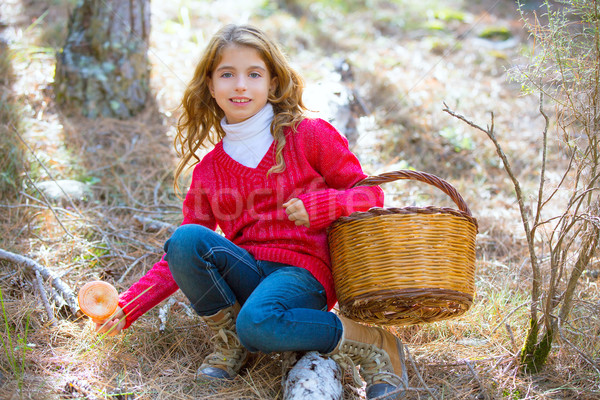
<point x="313" y="377"/>
<point x="103" y="69"/>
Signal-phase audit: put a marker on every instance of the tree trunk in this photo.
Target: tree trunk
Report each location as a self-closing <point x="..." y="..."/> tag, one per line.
<point x="103" y="69"/>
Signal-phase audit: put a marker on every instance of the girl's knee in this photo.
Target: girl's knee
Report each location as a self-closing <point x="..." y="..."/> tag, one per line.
<point x="183" y="247"/>
<point x="257" y="329"/>
<point x="185" y="236"/>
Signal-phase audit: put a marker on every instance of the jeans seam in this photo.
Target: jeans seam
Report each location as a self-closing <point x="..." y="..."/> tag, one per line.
<point x="216" y="284"/>
<point x="211" y="252"/>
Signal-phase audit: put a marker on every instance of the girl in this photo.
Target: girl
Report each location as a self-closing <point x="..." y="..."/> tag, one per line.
<point x="273" y="183"/>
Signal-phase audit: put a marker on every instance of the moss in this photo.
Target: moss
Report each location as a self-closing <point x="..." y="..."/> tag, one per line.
<point x="542" y="350"/>
<point x="530" y="342"/>
<point x="534" y="354"/>
<point x="434" y="25"/>
<point x="448" y="14"/>
<point x="496" y="33"/>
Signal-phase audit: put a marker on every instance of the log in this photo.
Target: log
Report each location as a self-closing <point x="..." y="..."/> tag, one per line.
<point x="64" y="289"/>
<point x="313" y="377"/>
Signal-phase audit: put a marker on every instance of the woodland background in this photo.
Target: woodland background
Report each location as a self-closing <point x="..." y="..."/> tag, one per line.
<point x="382" y="72"/>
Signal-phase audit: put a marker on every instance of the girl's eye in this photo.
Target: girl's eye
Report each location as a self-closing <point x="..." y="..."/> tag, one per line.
<point x="226" y="75"/>
<point x="254" y="75"/>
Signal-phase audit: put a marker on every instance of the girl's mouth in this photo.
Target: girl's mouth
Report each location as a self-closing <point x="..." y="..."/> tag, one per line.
<point x="240" y="100"/>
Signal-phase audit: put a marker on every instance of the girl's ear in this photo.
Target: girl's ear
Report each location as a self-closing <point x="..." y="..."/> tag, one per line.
<point x="211" y="87"/>
<point x="274" y="83"/>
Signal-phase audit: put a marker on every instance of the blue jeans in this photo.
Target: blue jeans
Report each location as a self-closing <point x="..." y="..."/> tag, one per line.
<point x="284" y="307"/>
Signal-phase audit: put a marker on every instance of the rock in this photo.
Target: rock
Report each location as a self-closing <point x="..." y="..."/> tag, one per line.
<point x="60" y="191"/>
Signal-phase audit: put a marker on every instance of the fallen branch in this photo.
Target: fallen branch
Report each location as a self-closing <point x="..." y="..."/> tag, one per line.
<point x="40" y="288"/>
<point x="313" y="377"/>
<point x="153" y="225"/>
<point x="62" y="288"/>
<point x="58" y="300"/>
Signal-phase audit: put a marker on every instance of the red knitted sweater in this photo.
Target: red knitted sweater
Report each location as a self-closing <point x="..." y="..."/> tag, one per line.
<point x="246" y="204"/>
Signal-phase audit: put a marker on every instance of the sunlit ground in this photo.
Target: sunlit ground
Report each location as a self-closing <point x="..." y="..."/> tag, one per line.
<point x="407" y="59"/>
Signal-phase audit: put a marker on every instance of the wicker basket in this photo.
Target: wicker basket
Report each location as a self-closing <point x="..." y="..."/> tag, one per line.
<point x="403" y="266"/>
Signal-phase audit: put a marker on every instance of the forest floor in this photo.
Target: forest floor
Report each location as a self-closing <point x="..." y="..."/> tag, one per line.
<point x="381" y="73"/>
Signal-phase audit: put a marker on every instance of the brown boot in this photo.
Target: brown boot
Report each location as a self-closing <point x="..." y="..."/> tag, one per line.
<point x="229" y="355"/>
<point x="379" y="354"/>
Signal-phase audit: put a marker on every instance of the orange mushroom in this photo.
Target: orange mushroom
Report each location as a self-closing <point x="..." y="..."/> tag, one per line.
<point x="98" y="300"/>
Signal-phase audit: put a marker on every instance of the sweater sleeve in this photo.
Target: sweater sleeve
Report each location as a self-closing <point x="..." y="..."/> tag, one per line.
<point x="158" y="284"/>
<point x="327" y="151"/>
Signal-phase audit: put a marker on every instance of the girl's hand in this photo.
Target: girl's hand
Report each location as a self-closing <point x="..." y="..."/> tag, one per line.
<point x="112" y="325"/>
<point x="296" y="212"/>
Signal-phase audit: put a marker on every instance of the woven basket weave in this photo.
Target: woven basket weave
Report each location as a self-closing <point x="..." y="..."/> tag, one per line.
<point x="404" y="266"/>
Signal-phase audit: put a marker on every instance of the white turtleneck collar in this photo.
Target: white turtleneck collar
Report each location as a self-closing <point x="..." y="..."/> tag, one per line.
<point x="248" y="141"/>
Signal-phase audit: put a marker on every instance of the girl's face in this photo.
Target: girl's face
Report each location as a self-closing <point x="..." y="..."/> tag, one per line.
<point x="240" y="83"/>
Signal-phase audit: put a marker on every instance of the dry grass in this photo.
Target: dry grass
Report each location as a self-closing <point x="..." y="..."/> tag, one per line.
<point x="129" y="165"/>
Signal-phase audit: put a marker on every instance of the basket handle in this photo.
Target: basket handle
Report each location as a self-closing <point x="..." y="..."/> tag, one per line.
<point x="418" y="176"/>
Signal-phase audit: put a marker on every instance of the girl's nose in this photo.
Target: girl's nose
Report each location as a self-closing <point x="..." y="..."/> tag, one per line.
<point x="240" y="84"/>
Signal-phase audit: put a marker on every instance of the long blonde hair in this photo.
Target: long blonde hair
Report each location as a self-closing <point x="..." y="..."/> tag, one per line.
<point x="200" y="121"/>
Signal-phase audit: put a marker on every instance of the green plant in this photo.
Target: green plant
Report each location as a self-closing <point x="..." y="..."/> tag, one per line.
<point x="566" y="72"/>
<point x="13" y="352"/>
